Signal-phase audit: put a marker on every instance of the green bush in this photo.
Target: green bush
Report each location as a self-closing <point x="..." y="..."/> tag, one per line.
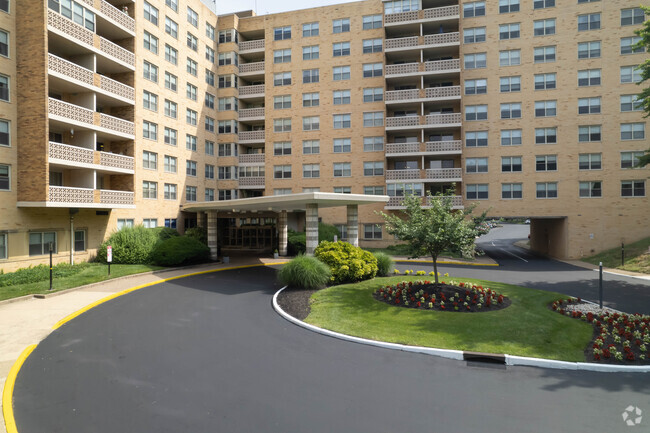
<point x="131" y="245"/>
<point x="305" y="272"/>
<point x="296" y="243"/>
<point x="326" y="232"/>
<point x="198" y="233"/>
<point x="385" y="264"/>
<point x="40" y="273"/>
<point x="177" y="251"/>
<point x="165" y="232"/>
<point x="347" y="263"/>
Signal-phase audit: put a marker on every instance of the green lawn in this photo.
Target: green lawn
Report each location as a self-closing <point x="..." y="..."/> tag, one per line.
<point x="637" y="258"/>
<point x="526" y="328"/>
<point x="402" y="250"/>
<point x="92" y="273"/>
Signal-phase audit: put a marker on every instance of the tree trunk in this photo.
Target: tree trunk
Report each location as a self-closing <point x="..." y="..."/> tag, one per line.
<point x="435" y="267"/>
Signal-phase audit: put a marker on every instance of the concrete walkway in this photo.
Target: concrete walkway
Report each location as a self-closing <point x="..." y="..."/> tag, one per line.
<point x="29" y="320"/>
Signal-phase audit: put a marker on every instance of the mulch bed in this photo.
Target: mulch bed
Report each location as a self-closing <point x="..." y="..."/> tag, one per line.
<point x="295" y="302"/>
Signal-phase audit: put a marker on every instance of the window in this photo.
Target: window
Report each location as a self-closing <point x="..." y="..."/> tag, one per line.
<point x="475" y="61"/>
<point x="209" y="100"/>
<point x="341" y="25"/>
<point x="191" y="67"/>
<point x="311" y="147"/>
<point x="4" y="44"/>
<point x="149" y="160"/>
<point x="542" y="4"/>
<point x="476" y="138"/>
<point x="544" y="54"/>
<point x="341" y="49"/>
<point x="372" y="231"/>
<point x="282" y="79"/>
<point x="5" y="177"/>
<point x="190" y="168"/>
<point x="171" y="54"/>
<point x="630" y="17"/>
<point x="209" y="124"/>
<point x="4" y="5"/>
<point x="171" y="136"/>
<point x="375" y="118"/>
<point x="310" y="76"/>
<point x="190" y="142"/>
<point x="282" y="125"/>
<point x="281" y="191"/>
<point x="627" y="45"/>
<point x="342" y="169"/>
<point x="373" y="168"/>
<point x="589" y="50"/>
<point x="476" y="191"/>
<point x="509" y="31"/>
<point x="630" y="159"/>
<point x="373" y="144"/>
<point x="150" y="13"/>
<point x="588" y="22"/>
<point x="342" y="190"/>
<point x="226" y="194"/>
<point x="226" y="173"/>
<point x="372" y="22"/>
<point x="508" y="6"/>
<point x="191" y="117"/>
<point x="190" y="193"/>
<point x="230" y="35"/>
<point x="510" y="163"/>
<point x="311" y="99"/>
<point x="311" y="53"/>
<point x="170" y="223"/>
<point x="209" y="55"/>
<point x="191" y="91"/>
<point x="209" y="194"/>
<point x="311" y="123"/>
<point x="341" y="73"/>
<point x="590" y="161"/>
<point x="589" y="133"/>
<point x="510" y="84"/>
<point x="171" y="81"/>
<point x="225" y="149"/>
<point x="589" y="77"/>
<point x="474" y="35"/>
<point x="546" y="163"/>
<point x="591" y="189"/>
<point x="150" y="42"/>
<point x="545" y="135"/>
<point x="282" y="56"/>
<point x="372" y="46"/>
<point x="341" y="121"/>
<point x="342" y="145"/>
<point x="227" y="104"/>
<point x="173" y="4"/>
<point x="546" y="189"/>
<point x="148" y="223"/>
<point x="192" y="17"/>
<point x="589" y="105"/>
<point x="171" y="108"/>
<point x="39" y="243"/>
<point x="150" y="72"/>
<point x="511" y="111"/>
<point x="310" y="170"/>
<point x="150" y="101"/>
<point x="5" y="133"/>
<point x="476" y="87"/>
<point x="210" y="31"/>
<point x="372" y="70"/>
<point x="476" y="165"/>
<point x="509" y="57"/>
<point x="282" y="102"/>
<point x="511" y="191"/>
<point x="149" y="130"/>
<point x="281" y="33"/>
<point x="630" y="74"/>
<point x="209" y="77"/>
<point x="511" y="137"/>
<point x="544" y="27"/>
<point x="209" y="171"/>
<point x="633" y="188"/>
<point x="373" y="94"/>
<point x="149" y="190"/>
<point x="282" y="172"/>
<point x="170" y="164"/>
<point x="632" y="131"/>
<point x="473" y="9"/>
<point x="192" y="41"/>
<point x="545" y="81"/>
<point x="545" y="108"/>
<point x="476" y="112"/>
<point x="309" y="29"/>
<point x="373" y="190"/>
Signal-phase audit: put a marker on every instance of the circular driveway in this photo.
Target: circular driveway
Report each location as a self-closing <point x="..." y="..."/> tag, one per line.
<point x="208" y="354"/>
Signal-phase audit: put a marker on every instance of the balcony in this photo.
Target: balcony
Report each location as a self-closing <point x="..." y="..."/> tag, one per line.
<point x="65" y="196"/>
<point x="426" y="68"/>
<point x="423" y="95"/>
<point x="251" y="137"/>
<point x="398" y="202"/>
<point x="76" y="156"/>
<point x="256" y="91"/>
<point x="72" y="72"/>
<point x="253" y="46"/>
<point x="446" y="12"/>
<point x="76" y="115"/>
<point x="115" y="15"/>
<point x="445" y="120"/>
<point x="252" y="182"/>
<point x="251" y="114"/>
<point x="255" y="68"/>
<point x="419" y="42"/>
<point x="252" y="159"/>
<point x="454" y="147"/>
<point x="427" y="175"/>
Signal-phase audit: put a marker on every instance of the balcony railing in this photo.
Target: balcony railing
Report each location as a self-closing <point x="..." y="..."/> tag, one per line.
<point x="116" y="87"/>
<point x="110" y="197"/>
<point x="445" y="174"/>
<point x="430" y="174"/>
<point x="443" y="119"/>
<point x="257" y="89"/>
<point x="113" y="160"/>
<point x="75" y="154"/>
<point x="439" y="147"/>
<point x="251" y="67"/>
<point x="410" y="41"/>
<point x="251" y="136"/>
<point x="398" y="202"/>
<point x="426" y="14"/>
<point x="400" y="122"/>
<point x="442" y="65"/>
<point x="402" y="95"/>
<point x="83" y="115"/>
<point x="450" y="65"/>
<point x="429" y="120"/>
<point x="252" y="158"/>
<point x="251" y="182"/>
<point x="442" y="92"/>
<point x="257" y="44"/>
<point x="403" y="68"/>
<point x="412" y="174"/>
<point x="249" y="113"/>
<point x="442" y="38"/>
<point x="455" y="146"/>
<point x="116" y="15"/>
<point x="429" y="93"/>
<point x="66" y="194"/>
<point x="116" y="124"/>
<point x="417" y="41"/>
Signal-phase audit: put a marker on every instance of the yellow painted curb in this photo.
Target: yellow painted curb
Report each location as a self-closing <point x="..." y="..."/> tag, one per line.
<point x="132" y="289"/>
<point x="8" y="391"/>
<point x="448" y="262"/>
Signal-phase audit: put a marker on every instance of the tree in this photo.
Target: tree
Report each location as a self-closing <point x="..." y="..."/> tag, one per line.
<point x="436" y="228"/>
<point x="644" y="96"/>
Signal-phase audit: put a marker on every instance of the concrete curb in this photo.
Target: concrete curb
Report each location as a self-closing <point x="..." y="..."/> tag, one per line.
<point x="444" y="262"/>
<point x="462" y="355"/>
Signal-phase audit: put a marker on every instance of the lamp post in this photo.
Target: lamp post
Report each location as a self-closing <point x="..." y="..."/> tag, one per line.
<point x="50" y="266"/>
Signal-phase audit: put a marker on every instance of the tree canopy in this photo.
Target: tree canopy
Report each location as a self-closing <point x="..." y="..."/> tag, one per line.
<point x="644" y="96"/>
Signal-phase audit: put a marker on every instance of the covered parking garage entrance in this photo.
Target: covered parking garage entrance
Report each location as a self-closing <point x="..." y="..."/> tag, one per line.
<point x="259" y="222"/>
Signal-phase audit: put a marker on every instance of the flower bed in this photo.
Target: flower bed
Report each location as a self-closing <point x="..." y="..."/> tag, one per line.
<point x="456" y="297"/>
<point x="619" y="338"/>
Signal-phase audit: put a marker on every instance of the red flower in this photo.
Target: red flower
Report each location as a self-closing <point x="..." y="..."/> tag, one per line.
<point x="467" y="307"/>
<point x="442" y="307"/>
<point x="397" y="300"/>
<point x="461" y="284"/>
<point x="630" y="356"/>
<point x="419" y="304"/>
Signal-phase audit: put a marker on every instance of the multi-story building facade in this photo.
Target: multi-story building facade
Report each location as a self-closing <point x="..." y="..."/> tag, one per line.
<point x="120" y="112"/>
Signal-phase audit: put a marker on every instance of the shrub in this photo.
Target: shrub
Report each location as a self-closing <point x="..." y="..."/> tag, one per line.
<point x="384" y="264"/>
<point x="296" y="243"/>
<point x="326" y="232"/>
<point x="305" y="272"/>
<point x="198" y="233"/>
<point x="347" y="263"/>
<point x="131" y="245"/>
<point x="179" y="250"/>
<point x="40" y="273"/>
<point x="165" y="232"/>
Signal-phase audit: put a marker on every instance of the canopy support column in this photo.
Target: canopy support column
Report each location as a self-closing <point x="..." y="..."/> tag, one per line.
<point x="311" y="230"/>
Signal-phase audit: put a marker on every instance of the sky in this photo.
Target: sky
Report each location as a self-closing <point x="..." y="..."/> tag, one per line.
<point x="264" y="7"/>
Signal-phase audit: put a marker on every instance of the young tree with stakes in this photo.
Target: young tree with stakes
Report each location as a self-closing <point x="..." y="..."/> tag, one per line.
<point x="644" y="96"/>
